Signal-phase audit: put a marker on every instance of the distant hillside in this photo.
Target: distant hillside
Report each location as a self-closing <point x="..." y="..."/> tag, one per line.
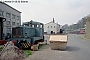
<point x="80" y="24"/>
<point x="64" y="26"/>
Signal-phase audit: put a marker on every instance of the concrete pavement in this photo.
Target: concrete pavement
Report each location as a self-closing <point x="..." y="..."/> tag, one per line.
<point x="77" y="49"/>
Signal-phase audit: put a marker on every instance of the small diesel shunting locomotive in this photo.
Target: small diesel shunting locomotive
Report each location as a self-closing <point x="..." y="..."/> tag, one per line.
<point x="28" y="34"/>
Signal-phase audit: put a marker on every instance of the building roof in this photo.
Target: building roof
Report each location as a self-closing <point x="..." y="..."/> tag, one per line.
<point x="52" y="22"/>
<point x="10" y="6"/>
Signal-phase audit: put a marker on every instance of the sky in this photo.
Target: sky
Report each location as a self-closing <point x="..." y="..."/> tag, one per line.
<point x="63" y="11"/>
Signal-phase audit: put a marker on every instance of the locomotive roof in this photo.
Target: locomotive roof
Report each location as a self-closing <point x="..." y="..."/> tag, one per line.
<point x="22" y="27"/>
<point x="33" y="22"/>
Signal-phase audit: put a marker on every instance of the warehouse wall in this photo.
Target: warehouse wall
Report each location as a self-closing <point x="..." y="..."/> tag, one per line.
<point x="87" y="35"/>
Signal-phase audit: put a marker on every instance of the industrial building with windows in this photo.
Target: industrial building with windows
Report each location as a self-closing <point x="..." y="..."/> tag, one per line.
<point x="51" y="27"/>
<point x="12" y="17"/>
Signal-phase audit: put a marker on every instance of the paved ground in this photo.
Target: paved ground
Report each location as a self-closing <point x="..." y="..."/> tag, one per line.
<point x="77" y="49"/>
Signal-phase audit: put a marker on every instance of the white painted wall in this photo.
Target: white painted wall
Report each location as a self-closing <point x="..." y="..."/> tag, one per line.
<point x="51" y="27"/>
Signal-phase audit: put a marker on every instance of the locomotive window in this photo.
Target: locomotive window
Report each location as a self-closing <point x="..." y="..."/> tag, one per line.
<point x="37" y="25"/>
<point x="24" y="25"/>
<point x="41" y="26"/>
<point x="32" y="25"/>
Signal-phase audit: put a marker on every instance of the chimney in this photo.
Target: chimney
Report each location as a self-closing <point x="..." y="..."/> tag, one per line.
<point x="53" y="20"/>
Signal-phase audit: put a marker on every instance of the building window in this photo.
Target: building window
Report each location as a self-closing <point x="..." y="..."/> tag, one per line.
<point x="17" y="24"/>
<point x="51" y="26"/>
<point x="18" y="17"/>
<point x="13" y="16"/>
<point x="8" y="30"/>
<point x="59" y="26"/>
<point x="48" y="26"/>
<point x="54" y="26"/>
<point x="13" y="23"/>
<point x="1" y="13"/>
<point x="8" y="15"/>
<point x="8" y="22"/>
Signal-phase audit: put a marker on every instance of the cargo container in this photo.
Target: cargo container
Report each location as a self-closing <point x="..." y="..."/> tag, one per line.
<point x="58" y="42"/>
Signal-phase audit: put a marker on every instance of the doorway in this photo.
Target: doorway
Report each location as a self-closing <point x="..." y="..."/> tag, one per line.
<point x="51" y="32"/>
